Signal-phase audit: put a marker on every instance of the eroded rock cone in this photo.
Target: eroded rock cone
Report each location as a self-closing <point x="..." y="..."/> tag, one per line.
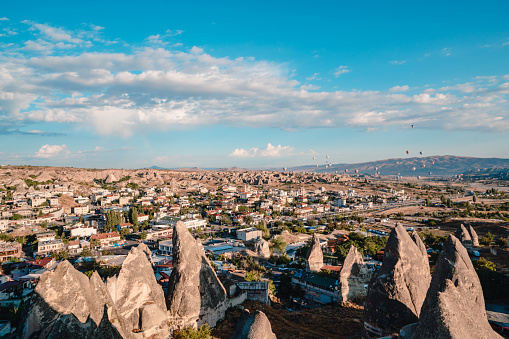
<point x="194" y="291"/>
<point x="66" y="302"/>
<point x="354" y="275"/>
<point x="314" y="258"/>
<point x="454" y="306"/>
<point x="398" y="289"/>
<point x="463" y="236"/>
<point x="473" y="235"/>
<point x="253" y="326"/>
<point x="262" y="248"/>
<point x="137" y="295"/>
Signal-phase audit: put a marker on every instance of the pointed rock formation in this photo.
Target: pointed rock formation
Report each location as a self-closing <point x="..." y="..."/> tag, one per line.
<point x="397" y="290"/>
<point x="354" y="276"/>
<point x="463" y="236"/>
<point x="137" y="295"/>
<point x="195" y="294"/>
<point x="262" y="248"/>
<point x="314" y="258"/>
<point x="253" y="326"/>
<point x="454" y="306"/>
<point x="66" y="302"/>
<point x="418" y="241"/>
<point x="110" y="178"/>
<point x="473" y="235"/>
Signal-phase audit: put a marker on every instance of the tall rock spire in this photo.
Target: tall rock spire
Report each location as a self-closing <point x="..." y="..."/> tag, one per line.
<point x="194" y="291"/>
<point x="454" y="306"/>
<point x="398" y="289"/>
<point x="314" y="258"/>
<point x="354" y="275"/>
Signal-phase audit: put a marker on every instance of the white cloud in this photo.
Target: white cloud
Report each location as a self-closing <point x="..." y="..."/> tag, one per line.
<point x="243" y="153"/>
<point x="158" y="89"/>
<point x="399" y="88"/>
<point x="341" y="70"/>
<point x="4" y="19"/>
<point x="53" y="33"/>
<point x="397" y="62"/>
<point x="314" y="77"/>
<point x="52" y="151"/>
<point x="269" y="151"/>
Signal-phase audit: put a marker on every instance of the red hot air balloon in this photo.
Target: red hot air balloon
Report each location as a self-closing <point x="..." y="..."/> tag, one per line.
<point x="422" y="166"/>
<point x="346" y="171"/>
<point x="356" y="171"/>
<point x="413" y="168"/>
<point x="407" y="152"/>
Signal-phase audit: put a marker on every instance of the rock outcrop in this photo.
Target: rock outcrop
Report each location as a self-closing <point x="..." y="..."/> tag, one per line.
<point x="67" y="304"/>
<point x="473" y="235"/>
<point x="253" y="326"/>
<point x="262" y="248"/>
<point x="195" y="294"/>
<point x="354" y="276"/>
<point x="454" y="306"/>
<point x="138" y="297"/>
<point x="398" y="289"/>
<point x="463" y="236"/>
<point x="314" y="258"/>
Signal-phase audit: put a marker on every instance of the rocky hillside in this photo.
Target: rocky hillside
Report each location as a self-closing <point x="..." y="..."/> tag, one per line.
<point x="442" y="165"/>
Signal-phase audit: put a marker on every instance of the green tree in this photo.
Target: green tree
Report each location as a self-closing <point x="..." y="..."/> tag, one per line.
<point x="16" y="216"/>
<point x="133" y="215"/>
<point x="191" y="333"/>
<point x="278" y="244"/>
<point x="253" y="276"/>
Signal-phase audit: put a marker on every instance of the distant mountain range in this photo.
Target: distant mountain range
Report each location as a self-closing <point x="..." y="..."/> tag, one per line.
<point x="442" y="165"/>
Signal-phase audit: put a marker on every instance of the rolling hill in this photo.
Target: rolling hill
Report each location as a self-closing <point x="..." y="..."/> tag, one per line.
<point x="440" y="165"/>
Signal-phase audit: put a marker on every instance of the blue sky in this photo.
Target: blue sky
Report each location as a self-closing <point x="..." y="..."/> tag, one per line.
<point x="251" y="84"/>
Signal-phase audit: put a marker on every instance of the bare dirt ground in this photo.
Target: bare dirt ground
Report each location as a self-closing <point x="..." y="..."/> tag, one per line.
<point x="328" y="322"/>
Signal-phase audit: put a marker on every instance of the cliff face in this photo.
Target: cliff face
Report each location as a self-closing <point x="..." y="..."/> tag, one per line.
<point x="195" y="294"/>
<point x="137" y="296"/>
<point x="253" y="326"/>
<point x="66" y="302"/>
<point x="398" y="289"/>
<point x="454" y="306"/>
<point x="314" y="258"/>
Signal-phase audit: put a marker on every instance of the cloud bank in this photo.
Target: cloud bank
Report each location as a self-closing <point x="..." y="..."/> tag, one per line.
<point x="64" y="76"/>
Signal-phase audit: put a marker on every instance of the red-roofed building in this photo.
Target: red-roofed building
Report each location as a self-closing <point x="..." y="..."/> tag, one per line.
<point x="107" y="239"/>
<point x="43" y="262"/>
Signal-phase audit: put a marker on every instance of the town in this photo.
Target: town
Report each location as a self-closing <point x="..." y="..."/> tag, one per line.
<point x="294" y="242"/>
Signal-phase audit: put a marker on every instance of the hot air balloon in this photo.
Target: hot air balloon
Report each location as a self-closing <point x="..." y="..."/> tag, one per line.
<point x="316" y="165"/>
<point x="284" y="169"/>
<point x="420" y="152"/>
<point x="314" y="158"/>
<point x="429" y="173"/>
<point x="376" y="168"/>
<point x="407" y="152"/>
<point x="413" y="168"/>
<point x="326" y="166"/>
<point x="356" y="171"/>
<point x="432" y="162"/>
<point x="412" y="126"/>
<point x="346" y="171"/>
<point x="422" y="166"/>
